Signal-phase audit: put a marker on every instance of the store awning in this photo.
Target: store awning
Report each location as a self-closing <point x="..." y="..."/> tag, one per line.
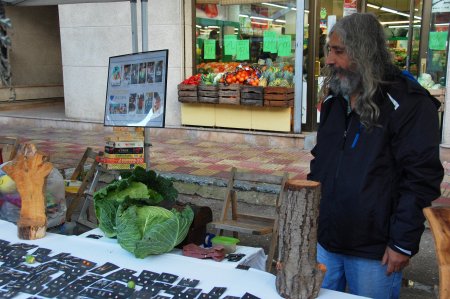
<point x="52" y="2"/>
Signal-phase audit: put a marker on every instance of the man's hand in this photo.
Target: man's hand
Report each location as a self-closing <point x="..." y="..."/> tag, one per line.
<point x="395" y="261"/>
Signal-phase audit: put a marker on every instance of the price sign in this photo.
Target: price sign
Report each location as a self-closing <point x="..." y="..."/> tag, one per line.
<point x="229" y="42"/>
<point x="270" y="42"/>
<point x="209" y="49"/>
<point x="284" y="45"/>
<point x="242" y="49"/>
<point x="438" y="40"/>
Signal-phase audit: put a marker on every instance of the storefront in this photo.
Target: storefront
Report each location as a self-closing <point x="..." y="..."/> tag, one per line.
<point x="263" y="36"/>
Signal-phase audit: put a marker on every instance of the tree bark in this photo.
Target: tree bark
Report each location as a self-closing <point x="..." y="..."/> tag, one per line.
<point x="29" y="170"/>
<point x="299" y="276"/>
<point x="439" y="219"/>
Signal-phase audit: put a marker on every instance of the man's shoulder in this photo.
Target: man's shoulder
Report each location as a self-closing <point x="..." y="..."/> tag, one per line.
<point x="405" y="90"/>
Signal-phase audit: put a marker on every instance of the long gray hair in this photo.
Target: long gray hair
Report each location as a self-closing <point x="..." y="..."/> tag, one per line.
<point x="365" y="44"/>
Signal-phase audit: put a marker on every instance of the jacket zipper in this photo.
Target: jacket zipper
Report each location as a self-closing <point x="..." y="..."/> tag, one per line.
<point x="341" y="152"/>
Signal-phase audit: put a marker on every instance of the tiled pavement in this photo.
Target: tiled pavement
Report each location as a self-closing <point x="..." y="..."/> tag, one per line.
<point x="201" y="158"/>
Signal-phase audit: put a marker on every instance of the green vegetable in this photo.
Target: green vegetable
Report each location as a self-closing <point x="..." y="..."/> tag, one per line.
<point x="140" y="184"/>
<point x="127" y="209"/>
<point x="146" y="230"/>
<point x="29" y="259"/>
<point x="131" y="284"/>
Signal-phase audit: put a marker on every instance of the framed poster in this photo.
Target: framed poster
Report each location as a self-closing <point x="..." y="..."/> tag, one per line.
<point x="136" y="91"/>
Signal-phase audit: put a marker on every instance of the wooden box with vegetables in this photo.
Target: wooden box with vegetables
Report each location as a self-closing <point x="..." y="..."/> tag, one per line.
<point x="187" y="90"/>
<point x="241" y="84"/>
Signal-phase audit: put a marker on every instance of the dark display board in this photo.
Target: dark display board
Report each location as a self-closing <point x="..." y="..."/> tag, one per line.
<point x="136" y="91"/>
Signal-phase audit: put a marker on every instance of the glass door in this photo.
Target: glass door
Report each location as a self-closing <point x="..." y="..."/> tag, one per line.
<point x="322" y="16"/>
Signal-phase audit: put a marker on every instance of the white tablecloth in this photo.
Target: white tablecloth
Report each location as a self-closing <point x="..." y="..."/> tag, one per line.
<point x="210" y="274"/>
<point x="254" y="257"/>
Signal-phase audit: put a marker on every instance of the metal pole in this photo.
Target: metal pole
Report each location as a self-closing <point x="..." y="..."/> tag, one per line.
<point x="134" y="40"/>
<point x="144" y="21"/>
<point x="299" y="67"/>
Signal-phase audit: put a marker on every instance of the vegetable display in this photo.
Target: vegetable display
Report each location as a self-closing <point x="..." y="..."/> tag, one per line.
<point x="127" y="209"/>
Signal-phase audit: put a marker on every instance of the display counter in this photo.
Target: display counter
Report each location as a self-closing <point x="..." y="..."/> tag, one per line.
<point x="63" y="272"/>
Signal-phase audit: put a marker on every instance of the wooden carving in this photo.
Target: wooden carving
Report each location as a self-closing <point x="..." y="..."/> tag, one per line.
<point x="299" y="275"/>
<point x="29" y="170"/>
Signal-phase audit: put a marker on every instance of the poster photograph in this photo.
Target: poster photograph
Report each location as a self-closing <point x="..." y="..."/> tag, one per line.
<point x="136" y="90"/>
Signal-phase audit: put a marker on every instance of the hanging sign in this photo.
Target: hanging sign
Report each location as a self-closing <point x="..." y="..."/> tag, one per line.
<point x="209" y="49"/>
<point x="438" y="40"/>
<point x="284" y="45"/>
<point x="270" y="41"/>
<point x="439" y="6"/>
<point x="229" y="42"/>
<point x="242" y="49"/>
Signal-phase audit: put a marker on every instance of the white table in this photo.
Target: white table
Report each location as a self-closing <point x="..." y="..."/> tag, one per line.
<point x="254" y="257"/>
<point x="210" y="274"/>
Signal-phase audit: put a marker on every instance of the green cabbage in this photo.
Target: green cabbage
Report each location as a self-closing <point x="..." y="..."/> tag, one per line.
<point x="150" y="230"/>
<point x="127" y="209"/>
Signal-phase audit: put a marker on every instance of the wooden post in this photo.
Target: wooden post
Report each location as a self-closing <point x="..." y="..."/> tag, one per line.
<point x="439" y="219"/>
<point x="299" y="276"/>
<point x="29" y="170"/>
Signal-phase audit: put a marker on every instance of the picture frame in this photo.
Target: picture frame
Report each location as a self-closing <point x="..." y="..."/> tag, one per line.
<point x="136" y="90"/>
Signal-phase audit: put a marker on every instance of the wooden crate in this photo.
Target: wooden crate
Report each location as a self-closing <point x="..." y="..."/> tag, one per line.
<point x="276" y="96"/>
<point x="284" y="104"/>
<point x="252" y="95"/>
<point x="230" y="94"/>
<point x="208" y="94"/>
<point x="187" y="93"/>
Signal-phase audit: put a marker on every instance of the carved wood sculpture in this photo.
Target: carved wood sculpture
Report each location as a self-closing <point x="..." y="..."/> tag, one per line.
<point x="29" y="170"/>
<point x="439" y="219"/>
<point x="299" y="275"/>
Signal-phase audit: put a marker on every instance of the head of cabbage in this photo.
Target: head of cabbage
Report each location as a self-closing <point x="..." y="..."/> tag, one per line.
<point x="127" y="209"/>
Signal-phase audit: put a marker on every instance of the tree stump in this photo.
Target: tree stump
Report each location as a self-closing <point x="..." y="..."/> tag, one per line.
<point x="29" y="169"/>
<point x="439" y="219"/>
<point x="299" y="275"/>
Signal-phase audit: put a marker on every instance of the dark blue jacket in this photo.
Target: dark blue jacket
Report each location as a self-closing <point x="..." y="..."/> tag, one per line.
<point x="376" y="183"/>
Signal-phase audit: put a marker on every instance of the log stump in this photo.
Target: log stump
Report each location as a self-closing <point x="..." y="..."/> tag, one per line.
<point x="29" y="169"/>
<point x="439" y="219"/>
<point x="299" y="276"/>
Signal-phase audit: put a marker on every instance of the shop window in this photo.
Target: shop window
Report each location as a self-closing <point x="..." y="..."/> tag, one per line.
<point x="253" y="33"/>
<point x="437" y="43"/>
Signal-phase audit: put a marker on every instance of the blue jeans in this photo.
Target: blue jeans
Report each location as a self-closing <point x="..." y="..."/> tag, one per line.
<point x="363" y="277"/>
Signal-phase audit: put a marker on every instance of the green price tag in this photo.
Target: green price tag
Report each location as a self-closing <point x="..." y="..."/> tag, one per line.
<point x="209" y="49"/>
<point x="229" y="42"/>
<point x="284" y="45"/>
<point x="438" y="40"/>
<point x="242" y="49"/>
<point x="270" y="41"/>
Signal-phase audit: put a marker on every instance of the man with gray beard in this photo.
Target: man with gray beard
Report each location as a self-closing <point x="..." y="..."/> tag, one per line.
<point x="377" y="159"/>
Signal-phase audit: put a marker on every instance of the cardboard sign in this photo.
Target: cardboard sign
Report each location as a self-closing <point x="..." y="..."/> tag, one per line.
<point x="438" y="40"/>
<point x="270" y="41"/>
<point x="209" y="49"/>
<point x="284" y="45"/>
<point x="229" y="42"/>
<point x="243" y="49"/>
